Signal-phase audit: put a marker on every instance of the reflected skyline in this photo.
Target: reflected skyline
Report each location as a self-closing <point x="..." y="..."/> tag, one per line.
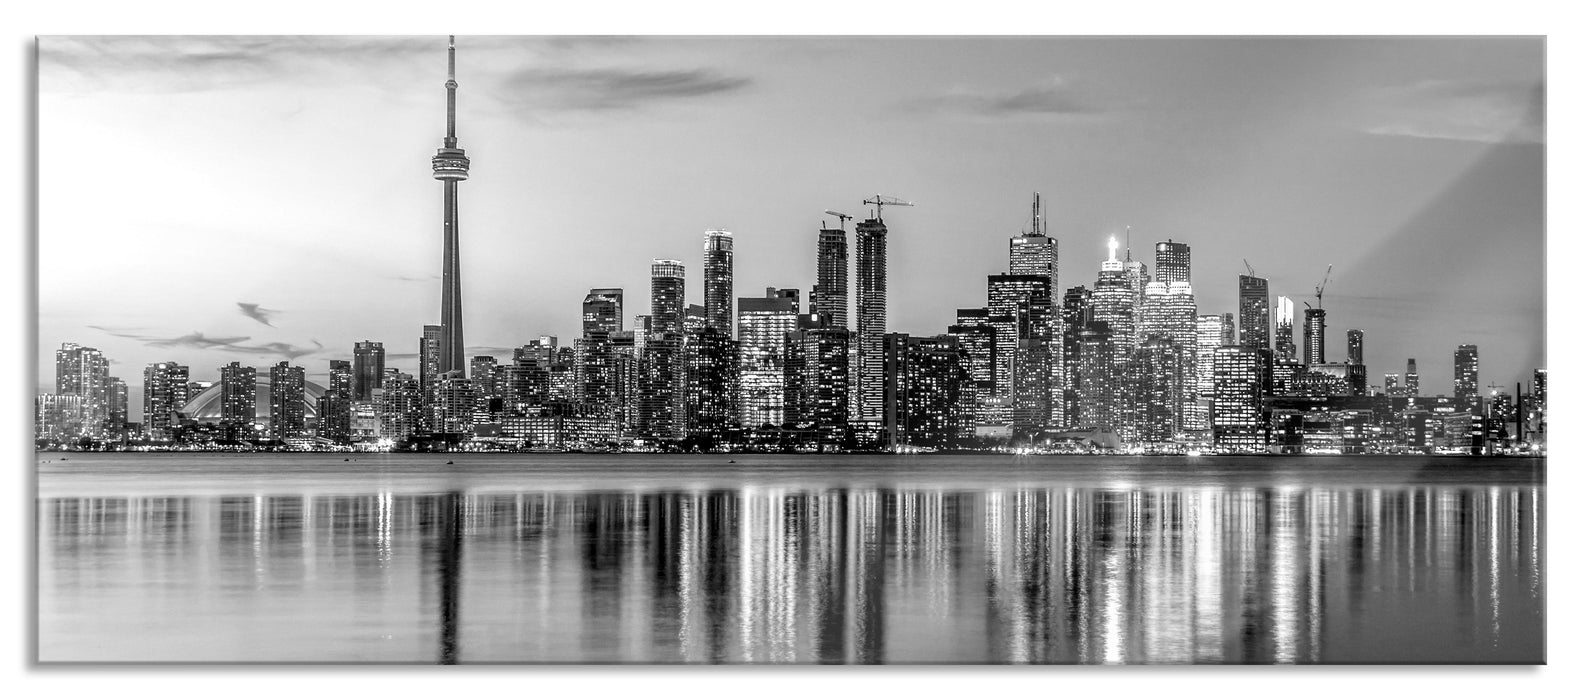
<point x="822" y="571"/>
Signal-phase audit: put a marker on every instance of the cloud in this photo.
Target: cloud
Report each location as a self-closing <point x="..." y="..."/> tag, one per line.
<point x="257" y="313"/>
<point x="1459" y="110"/>
<point x="1057" y="96"/>
<point x="177" y="64"/>
<point x="604" y="89"/>
<point x="195" y="339"/>
<point x="277" y="349"/>
<point x="409" y="278"/>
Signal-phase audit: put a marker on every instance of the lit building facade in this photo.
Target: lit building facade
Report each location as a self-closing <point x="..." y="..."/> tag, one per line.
<point x="287" y="417"/>
<point x="1313" y="343"/>
<point x="830" y="296"/>
<point x="872" y="315"/>
<point x="84" y="372"/>
<point x="1237" y="418"/>
<point x="762" y="325"/>
<point x="661" y="409"/>
<point x="719" y="264"/>
<point x="817" y="382"/>
<point x="164" y="391"/>
<point x="922" y="394"/>
<point x="1466" y="373"/>
<point x="368" y="369"/>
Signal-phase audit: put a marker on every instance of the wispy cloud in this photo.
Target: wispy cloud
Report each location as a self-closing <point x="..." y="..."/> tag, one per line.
<point x="197" y="340"/>
<point x="1057" y="96"/>
<point x="603" y="89"/>
<point x="257" y="313"/>
<point x="411" y="278"/>
<point x="1459" y="110"/>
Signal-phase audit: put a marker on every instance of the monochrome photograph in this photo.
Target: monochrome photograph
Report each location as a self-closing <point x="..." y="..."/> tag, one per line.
<point x="789" y="349"/>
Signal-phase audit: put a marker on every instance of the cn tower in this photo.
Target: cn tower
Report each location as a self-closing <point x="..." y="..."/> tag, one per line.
<point x="450" y="167"/>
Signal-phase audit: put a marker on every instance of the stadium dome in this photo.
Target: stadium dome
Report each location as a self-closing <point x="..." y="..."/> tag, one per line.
<point x="205" y="407"/>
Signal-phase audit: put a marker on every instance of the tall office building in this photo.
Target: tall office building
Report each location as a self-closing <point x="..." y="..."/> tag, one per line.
<point x="976" y="338"/>
<point x="718" y="279"/>
<point x="1098" y="379"/>
<point x="1210" y="335"/>
<point x="1169" y="313"/>
<point x="1413" y="384"/>
<point x="1160" y="393"/>
<point x="601" y="310"/>
<point x="368" y="369"/>
<point x="762" y="325"/>
<point x="287" y="413"/>
<point x="1076" y="312"/>
<point x="1238" y="400"/>
<point x="1172" y="262"/>
<point x="1354" y="346"/>
<point x="711" y="357"/>
<point x="238" y="395"/>
<point x="1114" y="304"/>
<point x="661" y="408"/>
<point x="1137" y="279"/>
<point x="1466" y="367"/>
<point x="450" y="165"/>
<point x="164" y="391"/>
<point x="1021" y="314"/>
<point x="1285" y="330"/>
<point x="1313" y="337"/>
<point x="1036" y="253"/>
<point x="1253" y="293"/>
<point x="84" y="372"/>
<point x="872" y="283"/>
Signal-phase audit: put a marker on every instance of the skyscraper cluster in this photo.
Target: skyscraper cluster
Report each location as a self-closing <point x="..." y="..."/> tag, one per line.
<point x="1128" y="363"/>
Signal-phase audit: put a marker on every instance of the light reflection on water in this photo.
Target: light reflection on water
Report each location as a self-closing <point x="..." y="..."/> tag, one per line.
<point x="792" y="561"/>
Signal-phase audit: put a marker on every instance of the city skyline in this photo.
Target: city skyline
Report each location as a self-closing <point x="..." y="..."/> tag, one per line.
<point x="1492" y="179"/>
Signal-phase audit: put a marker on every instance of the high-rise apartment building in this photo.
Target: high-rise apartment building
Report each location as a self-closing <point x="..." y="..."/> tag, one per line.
<point x="830" y="296"/>
<point x="368" y="369"/>
<point x="164" y="392"/>
<point x="1466" y="368"/>
<point x="428" y="355"/>
<point x="287" y="412"/>
<point x="922" y="392"/>
<point x="400" y="406"/>
<point x="84" y="372"/>
<point x="335" y="405"/>
<point x="661" y="407"/>
<point x="718" y="279"/>
<point x="872" y="284"/>
<point x="1313" y="337"/>
<point x="1253" y="293"/>
<point x="817" y="381"/>
<point x="238" y="396"/>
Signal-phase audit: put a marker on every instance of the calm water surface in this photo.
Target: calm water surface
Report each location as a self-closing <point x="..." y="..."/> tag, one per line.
<point x="793" y="559"/>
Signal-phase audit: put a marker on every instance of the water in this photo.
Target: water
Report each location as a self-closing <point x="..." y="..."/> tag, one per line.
<point x="789" y="559"/>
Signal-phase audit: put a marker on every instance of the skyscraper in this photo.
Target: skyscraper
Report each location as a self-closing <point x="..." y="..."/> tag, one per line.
<point x="1466" y="379"/>
<point x="1238" y="400"/>
<point x="450" y="165"/>
<point x="1313" y="337"/>
<point x="1253" y="293"/>
<point x="1412" y="382"/>
<point x="164" y="391"/>
<point x="1285" y="330"/>
<point x="830" y="294"/>
<point x="762" y="325"/>
<point x="368" y="369"/>
<point x="287" y="413"/>
<point x="84" y="372"/>
<point x="238" y="396"/>
<point x="1020" y="311"/>
<point x="922" y="390"/>
<point x="428" y="355"/>
<point x="872" y="281"/>
<point x="661" y="408"/>
<point x="1210" y="335"/>
<point x="1076" y="311"/>
<point x="601" y="310"/>
<point x="1169" y="314"/>
<point x="335" y="405"/>
<point x="1036" y="253"/>
<point x="1354" y="346"/>
<point x="1172" y="262"/>
<point x="816" y="381"/>
<point x="718" y="279"/>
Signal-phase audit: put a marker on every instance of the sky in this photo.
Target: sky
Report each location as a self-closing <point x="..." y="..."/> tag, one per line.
<point x="209" y="199"/>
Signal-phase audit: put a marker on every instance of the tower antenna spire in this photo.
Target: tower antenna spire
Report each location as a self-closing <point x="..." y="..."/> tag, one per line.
<point x="450" y="97"/>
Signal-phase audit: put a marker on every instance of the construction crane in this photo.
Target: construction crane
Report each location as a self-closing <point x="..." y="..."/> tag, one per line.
<point x="1319" y="290"/>
<point x="880" y="201"/>
<point x="843" y="217"/>
<point x="1250" y="273"/>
